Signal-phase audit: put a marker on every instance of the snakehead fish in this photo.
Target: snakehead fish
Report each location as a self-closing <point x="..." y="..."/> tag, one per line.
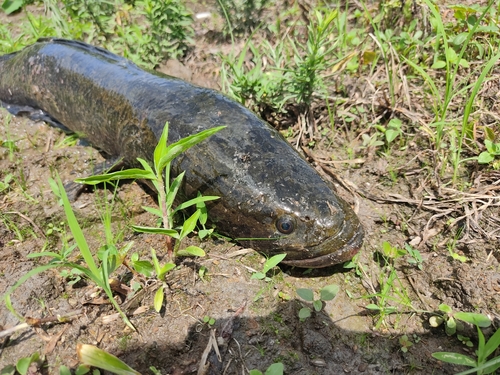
<point x="269" y="195"/>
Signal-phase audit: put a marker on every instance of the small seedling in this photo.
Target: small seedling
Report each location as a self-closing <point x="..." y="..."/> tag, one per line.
<point x="405" y="343"/>
<point x="208" y="320"/>
<point x="327" y="293"/>
<point x="268" y="265"/>
<point x="4" y="185"/>
<point x="274" y="369"/>
<point x="488" y="156"/>
<point x="415" y="257"/>
<point x="146" y="268"/>
<point x="392" y="130"/>
<point x="24" y="365"/>
<point x="453" y="319"/>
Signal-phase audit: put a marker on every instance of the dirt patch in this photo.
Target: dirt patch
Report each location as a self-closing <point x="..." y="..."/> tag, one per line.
<point x="256" y="322"/>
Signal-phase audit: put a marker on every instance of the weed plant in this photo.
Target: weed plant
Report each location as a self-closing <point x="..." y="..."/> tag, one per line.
<point x="99" y="273"/>
<point x="146" y="31"/>
<point x="242" y="16"/>
<point x="480" y="365"/>
<point x="159" y="176"/>
<point x="326" y="293"/>
<point x="109" y="256"/>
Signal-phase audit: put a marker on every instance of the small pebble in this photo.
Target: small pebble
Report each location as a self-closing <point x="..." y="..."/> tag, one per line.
<point x="318" y="362"/>
<point x="362" y="367"/>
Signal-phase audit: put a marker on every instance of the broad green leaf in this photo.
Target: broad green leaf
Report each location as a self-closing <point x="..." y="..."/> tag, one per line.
<point x="460" y="39"/>
<point x="168" y="232"/>
<point x="177" y="148"/>
<point x="329" y="292"/>
<point x="451" y="55"/>
<point x="194" y="201"/>
<point x="191" y="251"/>
<point x="445" y="308"/>
<point x="257" y="275"/>
<point x="464" y="63"/>
<point x="202" y="233"/>
<point x="82" y="370"/>
<point x="189" y="224"/>
<point x="372" y="306"/>
<point x="153" y="210"/>
<point x="95" y="357"/>
<point x="63" y="370"/>
<point x="273" y="262"/>
<point x="275" y="369"/>
<point x="166" y="268"/>
<point x="493" y="148"/>
<point x="11" y="370"/>
<point x="10" y="6"/>
<point x="391" y="135"/>
<point x="455" y="358"/>
<point x="304" y="313"/>
<point x="306" y="294"/>
<point x="145" y="165"/>
<point x="479" y="320"/>
<point x="201" y="206"/>
<point x="255" y="372"/>
<point x="438" y="65"/>
<point x="144" y="267"/>
<point x="23" y="364"/>
<point x="128" y="174"/>
<point x="318" y="305"/>
<point x="158" y="300"/>
<point x="156" y="263"/>
<point x="161" y="147"/>
<point x="174" y="188"/>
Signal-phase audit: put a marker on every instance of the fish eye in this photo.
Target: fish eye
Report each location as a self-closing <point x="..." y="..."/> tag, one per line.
<point x="285" y="225"/>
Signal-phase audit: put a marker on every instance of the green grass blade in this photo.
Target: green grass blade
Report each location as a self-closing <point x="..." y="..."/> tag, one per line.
<point x="466" y="129"/>
<point x="492" y="344"/>
<point x="26" y="276"/>
<point x="167" y="232"/>
<point x="455" y="358"/>
<point x="435" y="92"/>
<point x="489" y="366"/>
<point x="128" y="174"/>
<point x="76" y="230"/>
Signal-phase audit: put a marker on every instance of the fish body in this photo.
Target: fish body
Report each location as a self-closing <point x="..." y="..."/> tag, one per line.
<point x="269" y="195"/>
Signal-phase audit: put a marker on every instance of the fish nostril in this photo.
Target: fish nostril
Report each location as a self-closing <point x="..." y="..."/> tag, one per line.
<point x="307" y="218"/>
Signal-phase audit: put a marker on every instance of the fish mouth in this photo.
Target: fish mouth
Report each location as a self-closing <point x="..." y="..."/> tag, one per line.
<point x="343" y="253"/>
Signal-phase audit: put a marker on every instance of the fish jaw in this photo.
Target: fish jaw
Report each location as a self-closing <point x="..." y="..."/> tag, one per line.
<point x="329" y="251"/>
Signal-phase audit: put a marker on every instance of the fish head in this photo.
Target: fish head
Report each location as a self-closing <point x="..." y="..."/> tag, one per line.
<point x="319" y="235"/>
<point x="287" y="207"/>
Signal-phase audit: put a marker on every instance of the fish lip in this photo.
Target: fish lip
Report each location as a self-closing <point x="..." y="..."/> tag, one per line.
<point x="341" y="255"/>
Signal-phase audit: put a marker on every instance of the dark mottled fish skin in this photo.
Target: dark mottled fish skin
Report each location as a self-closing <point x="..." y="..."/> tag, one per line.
<point x="121" y="109"/>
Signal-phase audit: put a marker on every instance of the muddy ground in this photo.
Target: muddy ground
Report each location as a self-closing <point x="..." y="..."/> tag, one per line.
<point x="396" y="201"/>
